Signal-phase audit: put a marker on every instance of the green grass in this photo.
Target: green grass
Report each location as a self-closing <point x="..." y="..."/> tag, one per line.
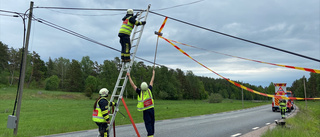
<point x="51" y="112"/>
<point x="305" y="124"/>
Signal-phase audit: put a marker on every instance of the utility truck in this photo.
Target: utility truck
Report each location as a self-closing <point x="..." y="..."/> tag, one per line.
<point x="281" y="90"/>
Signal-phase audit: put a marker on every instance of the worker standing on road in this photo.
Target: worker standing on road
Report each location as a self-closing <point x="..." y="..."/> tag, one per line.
<point x="125" y="31"/>
<point x="283" y="108"/>
<point x="100" y="113"/>
<point x="145" y="103"/>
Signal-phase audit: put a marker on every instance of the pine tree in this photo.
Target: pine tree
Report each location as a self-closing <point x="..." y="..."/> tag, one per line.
<point x="50" y="68"/>
<point x="74" y="77"/>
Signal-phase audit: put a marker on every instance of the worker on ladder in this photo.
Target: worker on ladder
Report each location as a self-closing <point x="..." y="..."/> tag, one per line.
<point x="283" y="108"/>
<point x="145" y="103"/>
<point x="100" y="113"/>
<point x="125" y="31"/>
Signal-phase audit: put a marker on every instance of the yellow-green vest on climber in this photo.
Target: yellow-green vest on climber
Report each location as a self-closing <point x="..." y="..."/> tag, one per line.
<point x="128" y="22"/>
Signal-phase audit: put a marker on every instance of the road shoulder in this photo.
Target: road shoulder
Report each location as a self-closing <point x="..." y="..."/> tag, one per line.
<point x="260" y="131"/>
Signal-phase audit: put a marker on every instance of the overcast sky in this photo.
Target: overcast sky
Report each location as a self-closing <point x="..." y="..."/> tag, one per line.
<point x="291" y="25"/>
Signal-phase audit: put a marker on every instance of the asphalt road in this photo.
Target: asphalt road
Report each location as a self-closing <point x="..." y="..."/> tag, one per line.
<point x="227" y="124"/>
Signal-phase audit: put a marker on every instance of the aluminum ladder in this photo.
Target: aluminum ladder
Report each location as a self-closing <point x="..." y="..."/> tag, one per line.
<point x="126" y="67"/>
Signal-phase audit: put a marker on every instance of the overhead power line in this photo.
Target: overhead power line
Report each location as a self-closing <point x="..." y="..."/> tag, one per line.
<point x="75" y="33"/>
<point x="83" y="37"/>
<point x="65" y="8"/>
<point x="264" y="45"/>
<point x="91" y="9"/>
<point x="178" y="5"/>
<point x="9" y="15"/>
<point x="12" y="12"/>
<point x="197" y="26"/>
<point x="87" y="14"/>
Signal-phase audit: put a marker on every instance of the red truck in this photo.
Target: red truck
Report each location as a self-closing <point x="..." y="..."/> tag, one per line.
<point x="280" y="90"/>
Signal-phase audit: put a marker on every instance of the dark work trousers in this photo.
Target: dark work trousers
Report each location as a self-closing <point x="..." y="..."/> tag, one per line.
<point x="103" y="129"/>
<point x="148" y="117"/>
<point x="125" y="47"/>
<point x="283" y="111"/>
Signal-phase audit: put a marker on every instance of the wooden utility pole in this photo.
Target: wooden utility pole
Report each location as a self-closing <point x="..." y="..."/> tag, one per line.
<point x="305" y="92"/>
<point x="23" y="70"/>
<point x="242" y="96"/>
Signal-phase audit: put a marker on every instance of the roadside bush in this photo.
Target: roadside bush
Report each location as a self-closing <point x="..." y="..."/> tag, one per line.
<point x="215" y="98"/>
<point x="88" y="92"/>
<point x="163" y="95"/>
<point x="4" y="78"/>
<point x="91" y="86"/>
<point x="52" y="83"/>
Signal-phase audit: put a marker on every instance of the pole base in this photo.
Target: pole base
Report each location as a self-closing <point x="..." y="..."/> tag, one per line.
<point x="12" y="122"/>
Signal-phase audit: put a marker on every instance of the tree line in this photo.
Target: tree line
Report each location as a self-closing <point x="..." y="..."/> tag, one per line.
<point x="89" y="76"/>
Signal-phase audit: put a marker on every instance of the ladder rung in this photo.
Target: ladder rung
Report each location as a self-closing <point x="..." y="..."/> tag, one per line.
<point x="142" y="17"/>
<point x="115" y="112"/>
<point x="135" y="39"/>
<point x="137" y="31"/>
<point x="116" y="95"/>
<point x="123" y="78"/>
<point x="119" y="86"/>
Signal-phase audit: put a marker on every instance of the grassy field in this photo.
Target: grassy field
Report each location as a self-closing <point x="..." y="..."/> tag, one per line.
<point x="51" y="112"/>
<point x="305" y="124"/>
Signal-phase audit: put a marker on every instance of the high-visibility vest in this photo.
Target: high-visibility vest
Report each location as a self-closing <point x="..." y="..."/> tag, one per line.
<point x="145" y="100"/>
<point x="97" y="114"/>
<point x="126" y="26"/>
<point x="283" y="105"/>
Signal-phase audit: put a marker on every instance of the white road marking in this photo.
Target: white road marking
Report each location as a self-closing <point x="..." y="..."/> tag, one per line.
<point x="255" y="128"/>
<point x="238" y="134"/>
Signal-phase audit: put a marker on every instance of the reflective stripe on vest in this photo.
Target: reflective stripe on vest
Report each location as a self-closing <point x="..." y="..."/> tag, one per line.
<point x="283" y="106"/>
<point x="97" y="115"/>
<point x="126" y="26"/>
<point x="145" y="101"/>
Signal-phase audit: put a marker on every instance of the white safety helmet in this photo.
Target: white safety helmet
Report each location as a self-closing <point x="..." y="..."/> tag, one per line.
<point x="144" y="86"/>
<point x="103" y="92"/>
<point x="130" y="11"/>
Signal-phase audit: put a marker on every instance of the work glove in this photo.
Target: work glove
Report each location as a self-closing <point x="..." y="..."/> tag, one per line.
<point x="135" y="16"/>
<point x="143" y="22"/>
